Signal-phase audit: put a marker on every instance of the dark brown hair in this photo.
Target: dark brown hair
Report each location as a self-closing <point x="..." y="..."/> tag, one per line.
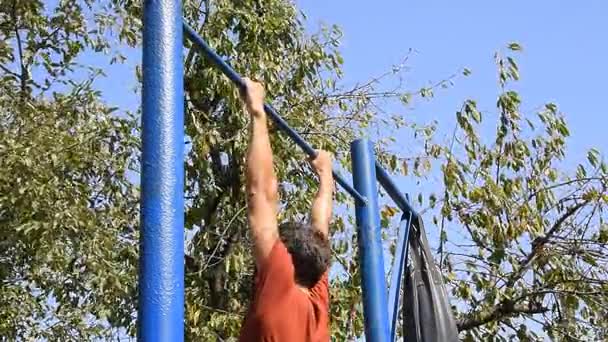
<point x="310" y="251"/>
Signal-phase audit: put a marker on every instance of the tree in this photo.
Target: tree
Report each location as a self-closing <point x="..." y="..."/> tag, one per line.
<point x="68" y="199"/>
<point x="68" y="211"/>
<point x="68" y="203"/>
<point x="523" y="239"/>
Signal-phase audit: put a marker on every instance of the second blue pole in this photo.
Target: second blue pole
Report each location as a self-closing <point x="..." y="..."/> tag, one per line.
<point x="375" y="303"/>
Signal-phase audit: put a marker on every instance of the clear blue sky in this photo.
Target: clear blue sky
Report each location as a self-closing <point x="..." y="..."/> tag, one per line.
<point x="564" y="59"/>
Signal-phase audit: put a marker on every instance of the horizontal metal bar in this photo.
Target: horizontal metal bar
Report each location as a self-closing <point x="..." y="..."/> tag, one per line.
<point x="393" y="191"/>
<point x="213" y="56"/>
<point x="227" y="70"/>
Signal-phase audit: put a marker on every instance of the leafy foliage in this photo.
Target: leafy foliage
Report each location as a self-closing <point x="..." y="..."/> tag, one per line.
<point x="523" y="237"/>
<point x="534" y="245"/>
<point x="68" y="211"/>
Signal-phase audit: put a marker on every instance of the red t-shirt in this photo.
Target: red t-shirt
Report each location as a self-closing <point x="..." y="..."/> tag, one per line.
<point x="282" y="312"/>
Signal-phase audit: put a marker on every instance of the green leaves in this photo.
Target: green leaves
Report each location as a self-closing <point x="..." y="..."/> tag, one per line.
<point x="470" y="108"/>
<point x="507" y="67"/>
<point x="510" y="237"/>
<point x="513" y="69"/>
<point x="593" y="157"/>
<point x="524" y="226"/>
<point x="603" y="234"/>
<point x="70" y="215"/>
<point x="426" y="92"/>
<point x="68" y="204"/>
<point x="514" y="46"/>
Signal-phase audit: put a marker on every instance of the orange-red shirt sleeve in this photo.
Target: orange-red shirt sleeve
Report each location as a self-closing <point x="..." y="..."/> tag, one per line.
<point x="320" y="291"/>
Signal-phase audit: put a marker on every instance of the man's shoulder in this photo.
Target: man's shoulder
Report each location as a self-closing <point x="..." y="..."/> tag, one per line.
<point x="277" y="264"/>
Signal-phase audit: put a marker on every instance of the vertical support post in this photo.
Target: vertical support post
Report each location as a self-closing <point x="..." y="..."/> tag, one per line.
<point x="161" y="266"/>
<point x="375" y="304"/>
<point x="397" y="272"/>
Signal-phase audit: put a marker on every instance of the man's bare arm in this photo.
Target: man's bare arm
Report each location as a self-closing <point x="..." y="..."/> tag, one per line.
<point x="323" y="202"/>
<point x="261" y="179"/>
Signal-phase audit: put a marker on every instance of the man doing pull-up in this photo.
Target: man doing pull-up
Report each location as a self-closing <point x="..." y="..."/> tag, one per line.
<point x="291" y="295"/>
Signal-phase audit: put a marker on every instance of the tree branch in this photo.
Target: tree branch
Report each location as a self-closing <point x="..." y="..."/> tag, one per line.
<point x="8" y="71"/>
<point x="557" y="185"/>
<point x="539" y="243"/>
<point x="504" y="310"/>
<point x="192" y="51"/>
<point x="229" y="241"/>
<point x="23" y="76"/>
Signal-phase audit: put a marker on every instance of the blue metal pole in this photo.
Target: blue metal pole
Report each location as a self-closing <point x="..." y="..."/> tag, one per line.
<point x="375" y="304"/>
<point x="393" y="191"/>
<point x="161" y="267"/>
<point x="227" y="70"/>
<point x="397" y="272"/>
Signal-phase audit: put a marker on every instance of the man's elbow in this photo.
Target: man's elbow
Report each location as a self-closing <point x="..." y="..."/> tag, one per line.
<point x="268" y="190"/>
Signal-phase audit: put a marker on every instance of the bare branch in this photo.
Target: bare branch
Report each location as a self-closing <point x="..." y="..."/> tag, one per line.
<point x="24" y="74"/>
<point x="540" y="242"/>
<point x="8" y="71"/>
<point x="502" y="311"/>
<point x="572" y="181"/>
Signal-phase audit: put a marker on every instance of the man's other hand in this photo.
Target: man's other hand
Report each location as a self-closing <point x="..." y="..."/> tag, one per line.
<point x="322" y="163"/>
<point x="253" y="96"/>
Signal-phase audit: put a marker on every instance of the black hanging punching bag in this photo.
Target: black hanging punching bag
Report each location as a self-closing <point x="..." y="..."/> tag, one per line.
<point x="426" y="308"/>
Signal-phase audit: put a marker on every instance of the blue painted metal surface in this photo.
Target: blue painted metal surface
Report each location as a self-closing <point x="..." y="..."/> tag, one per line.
<point x="399" y="263"/>
<point x="393" y="191"/>
<point x="227" y="70"/>
<point x="203" y="47"/>
<point x="161" y="267"/>
<point x="375" y="305"/>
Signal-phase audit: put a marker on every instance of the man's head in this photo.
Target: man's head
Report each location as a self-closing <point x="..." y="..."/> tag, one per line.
<point x="309" y="249"/>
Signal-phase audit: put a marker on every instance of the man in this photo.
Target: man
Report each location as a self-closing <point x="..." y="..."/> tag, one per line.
<point x="291" y="296"/>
